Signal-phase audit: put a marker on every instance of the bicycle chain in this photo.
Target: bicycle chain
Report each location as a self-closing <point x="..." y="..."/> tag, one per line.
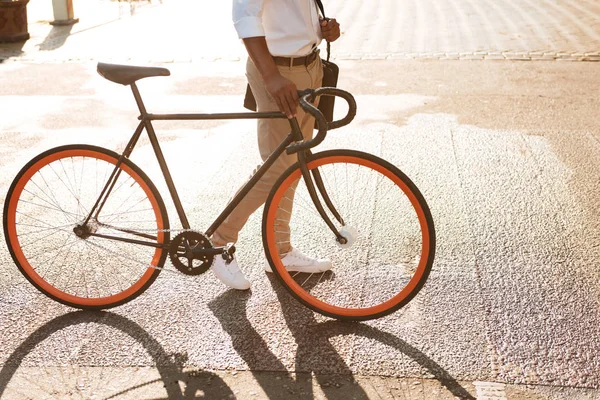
<point x="178" y="231"/>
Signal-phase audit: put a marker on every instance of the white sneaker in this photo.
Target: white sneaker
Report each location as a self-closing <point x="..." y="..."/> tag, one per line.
<point x="298" y="262"/>
<point x="230" y="274"/>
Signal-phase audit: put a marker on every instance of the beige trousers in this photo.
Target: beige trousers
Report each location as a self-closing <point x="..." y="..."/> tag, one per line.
<point x="271" y="133"/>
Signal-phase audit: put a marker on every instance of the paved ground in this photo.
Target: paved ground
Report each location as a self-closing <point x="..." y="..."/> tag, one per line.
<point x="507" y="155"/>
<point x="188" y="30"/>
<point x="510" y="172"/>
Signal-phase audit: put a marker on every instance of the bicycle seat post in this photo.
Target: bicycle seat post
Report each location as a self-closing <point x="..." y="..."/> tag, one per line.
<point x="138" y="100"/>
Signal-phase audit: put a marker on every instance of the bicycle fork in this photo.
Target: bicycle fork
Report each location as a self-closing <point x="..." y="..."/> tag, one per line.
<point x="310" y="181"/>
<point x="312" y="191"/>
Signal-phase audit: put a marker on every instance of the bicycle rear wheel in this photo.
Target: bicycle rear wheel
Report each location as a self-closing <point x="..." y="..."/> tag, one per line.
<point x="52" y="195"/>
<point x="391" y="232"/>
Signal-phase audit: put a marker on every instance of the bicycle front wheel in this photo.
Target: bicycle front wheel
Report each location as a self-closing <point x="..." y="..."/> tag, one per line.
<point x="391" y="237"/>
<point x="53" y="195"/>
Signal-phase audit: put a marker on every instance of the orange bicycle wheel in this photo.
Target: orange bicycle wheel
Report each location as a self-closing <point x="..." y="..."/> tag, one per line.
<point x="52" y="195"/>
<point x="386" y="219"/>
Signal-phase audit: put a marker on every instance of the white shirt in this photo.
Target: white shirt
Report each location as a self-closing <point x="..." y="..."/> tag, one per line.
<point x="290" y="27"/>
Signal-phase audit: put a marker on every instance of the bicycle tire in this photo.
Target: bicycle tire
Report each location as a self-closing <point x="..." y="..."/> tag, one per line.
<point x="35" y="217"/>
<point x="405" y="229"/>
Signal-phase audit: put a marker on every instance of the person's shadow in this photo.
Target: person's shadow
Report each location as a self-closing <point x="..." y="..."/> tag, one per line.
<point x="314" y="348"/>
<point x="169" y="366"/>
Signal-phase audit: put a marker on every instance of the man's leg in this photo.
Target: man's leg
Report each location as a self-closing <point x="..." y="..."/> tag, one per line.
<point x="271" y="133"/>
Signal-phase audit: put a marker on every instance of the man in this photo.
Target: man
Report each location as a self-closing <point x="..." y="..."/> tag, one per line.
<point x="281" y="37"/>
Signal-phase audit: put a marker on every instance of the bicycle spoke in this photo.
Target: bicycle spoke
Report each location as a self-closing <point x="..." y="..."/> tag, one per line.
<point x="59" y="249"/>
<point x="46" y="207"/>
<point x="81" y="181"/>
<point x="40" y="230"/>
<point x="114" y="253"/>
<point x="116" y="274"/>
<point x="62" y="264"/>
<point x="71" y="190"/>
<point x="117" y="215"/>
<point x="37" y="240"/>
<point x="53" y="205"/>
<point x="72" y="275"/>
<point x="70" y="186"/>
<point x="116" y="189"/>
<point x="307" y="279"/>
<point x="304" y="205"/>
<point x="127" y="212"/>
<point x="51" y="198"/>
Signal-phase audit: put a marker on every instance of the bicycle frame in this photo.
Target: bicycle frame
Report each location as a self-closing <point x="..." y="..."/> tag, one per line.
<point x="146" y="122"/>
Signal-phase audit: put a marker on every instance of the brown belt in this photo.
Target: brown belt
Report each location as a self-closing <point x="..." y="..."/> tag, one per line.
<point x="295" y="61"/>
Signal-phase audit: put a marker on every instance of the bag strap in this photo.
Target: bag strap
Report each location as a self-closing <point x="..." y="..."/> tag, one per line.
<point x="320" y="5"/>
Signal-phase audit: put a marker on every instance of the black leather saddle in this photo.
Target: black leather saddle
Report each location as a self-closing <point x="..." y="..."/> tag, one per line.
<point x="126" y="74"/>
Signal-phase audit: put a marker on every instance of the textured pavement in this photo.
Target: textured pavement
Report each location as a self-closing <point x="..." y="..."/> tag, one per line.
<point x="536" y="29"/>
<point x="509" y="171"/>
<point x="191" y="30"/>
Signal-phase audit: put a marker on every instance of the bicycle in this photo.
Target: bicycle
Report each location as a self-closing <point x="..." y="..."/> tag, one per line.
<point x="89" y="229"/>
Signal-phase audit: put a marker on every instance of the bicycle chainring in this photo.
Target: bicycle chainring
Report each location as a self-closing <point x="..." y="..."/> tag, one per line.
<point x="181" y="253"/>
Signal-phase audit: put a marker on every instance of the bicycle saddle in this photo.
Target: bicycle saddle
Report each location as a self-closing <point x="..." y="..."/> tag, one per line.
<point x="126" y="74"/>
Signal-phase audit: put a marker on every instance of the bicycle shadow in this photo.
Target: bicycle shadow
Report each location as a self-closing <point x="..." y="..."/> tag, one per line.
<point x="311" y="335"/>
<point x="169" y="366"/>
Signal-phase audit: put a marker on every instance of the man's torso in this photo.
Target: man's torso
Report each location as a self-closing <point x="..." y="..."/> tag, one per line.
<point x="290" y="27"/>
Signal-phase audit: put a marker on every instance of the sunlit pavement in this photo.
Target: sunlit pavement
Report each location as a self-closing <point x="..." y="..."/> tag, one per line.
<point x="506" y="154"/>
<point x="191" y="30"/>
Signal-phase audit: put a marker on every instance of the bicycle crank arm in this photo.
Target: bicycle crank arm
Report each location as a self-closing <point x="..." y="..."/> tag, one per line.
<point x="228" y="250"/>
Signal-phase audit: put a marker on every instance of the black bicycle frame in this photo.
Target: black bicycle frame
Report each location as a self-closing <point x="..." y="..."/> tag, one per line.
<point x="145" y="122"/>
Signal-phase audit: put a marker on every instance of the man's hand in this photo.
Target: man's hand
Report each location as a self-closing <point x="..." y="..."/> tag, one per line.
<point x="284" y="93"/>
<point x="330" y="29"/>
<point x="281" y="89"/>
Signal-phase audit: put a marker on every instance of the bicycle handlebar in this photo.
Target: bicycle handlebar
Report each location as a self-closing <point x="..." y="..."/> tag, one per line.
<point x="306" y="98"/>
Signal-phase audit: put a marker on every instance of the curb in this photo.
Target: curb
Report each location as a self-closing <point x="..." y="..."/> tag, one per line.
<point x="452" y="56"/>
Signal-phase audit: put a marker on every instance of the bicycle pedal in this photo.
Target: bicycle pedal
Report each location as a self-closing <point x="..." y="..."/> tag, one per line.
<point x="229" y="248"/>
<point x="228" y="252"/>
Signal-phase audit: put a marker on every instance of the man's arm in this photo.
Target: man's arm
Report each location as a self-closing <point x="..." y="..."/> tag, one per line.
<point x="247" y="19"/>
<point x="283" y="91"/>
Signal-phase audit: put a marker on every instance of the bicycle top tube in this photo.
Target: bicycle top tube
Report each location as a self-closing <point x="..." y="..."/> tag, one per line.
<point x="128" y="75"/>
